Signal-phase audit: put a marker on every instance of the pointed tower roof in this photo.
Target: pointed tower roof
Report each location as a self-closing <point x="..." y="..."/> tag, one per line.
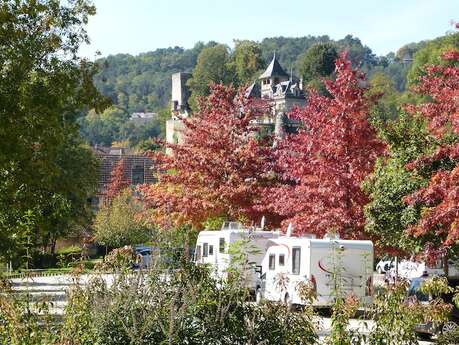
<point x="274" y="69"/>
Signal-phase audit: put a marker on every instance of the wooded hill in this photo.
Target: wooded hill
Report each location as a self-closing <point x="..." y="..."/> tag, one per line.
<point x="142" y="83"/>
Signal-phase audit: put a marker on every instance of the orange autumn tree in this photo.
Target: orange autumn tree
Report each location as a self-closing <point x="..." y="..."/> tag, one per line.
<point x="438" y="226"/>
<point x="118" y="181"/>
<point x="220" y="169"/>
<point x="323" y="165"/>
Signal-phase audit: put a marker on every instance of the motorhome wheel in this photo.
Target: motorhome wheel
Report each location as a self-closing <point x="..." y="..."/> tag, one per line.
<point x="449" y="327"/>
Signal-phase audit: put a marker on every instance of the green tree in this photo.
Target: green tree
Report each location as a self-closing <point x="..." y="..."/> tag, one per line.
<point x="318" y="62"/>
<point x="408" y="50"/>
<point x="394" y="69"/>
<point x="75" y="181"/>
<point x="119" y="224"/>
<point x="382" y="86"/>
<point x="43" y="87"/>
<point x="135" y="133"/>
<point x="360" y="55"/>
<point x="430" y="54"/>
<point x="289" y="49"/>
<point x="246" y="61"/>
<point x="103" y="128"/>
<point x="212" y="67"/>
<point x="387" y="215"/>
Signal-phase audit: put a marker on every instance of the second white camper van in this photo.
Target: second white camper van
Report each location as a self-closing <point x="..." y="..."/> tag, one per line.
<point x="212" y="248"/>
<point x="331" y="266"/>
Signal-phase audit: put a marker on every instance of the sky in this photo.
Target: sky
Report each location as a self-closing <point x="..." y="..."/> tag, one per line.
<point x="137" y="26"/>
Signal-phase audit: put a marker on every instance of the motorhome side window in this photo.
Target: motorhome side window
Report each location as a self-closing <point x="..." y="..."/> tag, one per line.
<point x="198" y="253"/>
<point x="272" y="262"/>
<point x="211" y="250"/>
<point x="221" y="247"/>
<point x="205" y="250"/>
<point x="296" y="258"/>
<point x="281" y="259"/>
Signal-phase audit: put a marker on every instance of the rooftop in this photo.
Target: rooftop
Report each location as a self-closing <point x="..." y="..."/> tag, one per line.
<point x="274" y="69"/>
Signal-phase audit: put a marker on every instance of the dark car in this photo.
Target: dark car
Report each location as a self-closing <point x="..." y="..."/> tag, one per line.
<point x="428" y="328"/>
<point x="144" y="255"/>
<point x="159" y="258"/>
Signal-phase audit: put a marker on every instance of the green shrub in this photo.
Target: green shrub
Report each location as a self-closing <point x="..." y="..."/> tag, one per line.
<point x="118" y="259"/>
<point x="189" y="307"/>
<point x="85" y="264"/>
<point x="42" y="260"/>
<point x="396" y="315"/>
<point x="24" y="324"/>
<point x="73" y="249"/>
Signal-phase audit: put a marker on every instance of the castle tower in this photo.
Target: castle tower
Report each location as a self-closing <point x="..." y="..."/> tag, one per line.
<point x="180" y="94"/>
<point x="179" y="108"/>
<point x="273" y="75"/>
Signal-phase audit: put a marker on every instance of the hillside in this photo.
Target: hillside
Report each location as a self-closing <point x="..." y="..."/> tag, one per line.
<point x="142" y="82"/>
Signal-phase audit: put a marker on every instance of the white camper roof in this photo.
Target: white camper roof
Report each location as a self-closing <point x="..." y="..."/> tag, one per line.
<point x="259" y="233"/>
<point x="300" y="241"/>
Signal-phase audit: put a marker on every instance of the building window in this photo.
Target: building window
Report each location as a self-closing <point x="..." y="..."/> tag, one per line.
<point x="272" y="262"/>
<point x="211" y="250"/>
<point x="205" y="250"/>
<point x="221" y="247"/>
<point x="175" y="105"/>
<point x="296" y="259"/>
<point x="138" y="176"/>
<point x="198" y="253"/>
<point x="281" y="259"/>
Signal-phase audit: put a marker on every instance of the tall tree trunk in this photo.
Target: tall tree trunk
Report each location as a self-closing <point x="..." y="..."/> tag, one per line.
<point x="445" y="264"/>
<point x="53" y="245"/>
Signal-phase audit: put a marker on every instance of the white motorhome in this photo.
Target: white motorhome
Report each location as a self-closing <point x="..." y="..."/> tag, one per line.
<point x="328" y="265"/>
<point x="212" y="248"/>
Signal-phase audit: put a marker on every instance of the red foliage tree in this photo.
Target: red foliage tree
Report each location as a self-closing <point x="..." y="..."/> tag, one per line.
<point x="439" y="223"/>
<point x="118" y="181"/>
<point x="219" y="170"/>
<point x="323" y="165"/>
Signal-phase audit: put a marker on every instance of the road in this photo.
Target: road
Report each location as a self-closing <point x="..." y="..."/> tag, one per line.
<point x="54" y="289"/>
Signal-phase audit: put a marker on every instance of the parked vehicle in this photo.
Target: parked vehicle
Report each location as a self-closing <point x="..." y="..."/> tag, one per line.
<point x="410" y="269"/>
<point x="428" y="328"/>
<point x="213" y="248"/>
<point x="384" y="266"/>
<point x="329" y="265"/>
<point x="144" y="255"/>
